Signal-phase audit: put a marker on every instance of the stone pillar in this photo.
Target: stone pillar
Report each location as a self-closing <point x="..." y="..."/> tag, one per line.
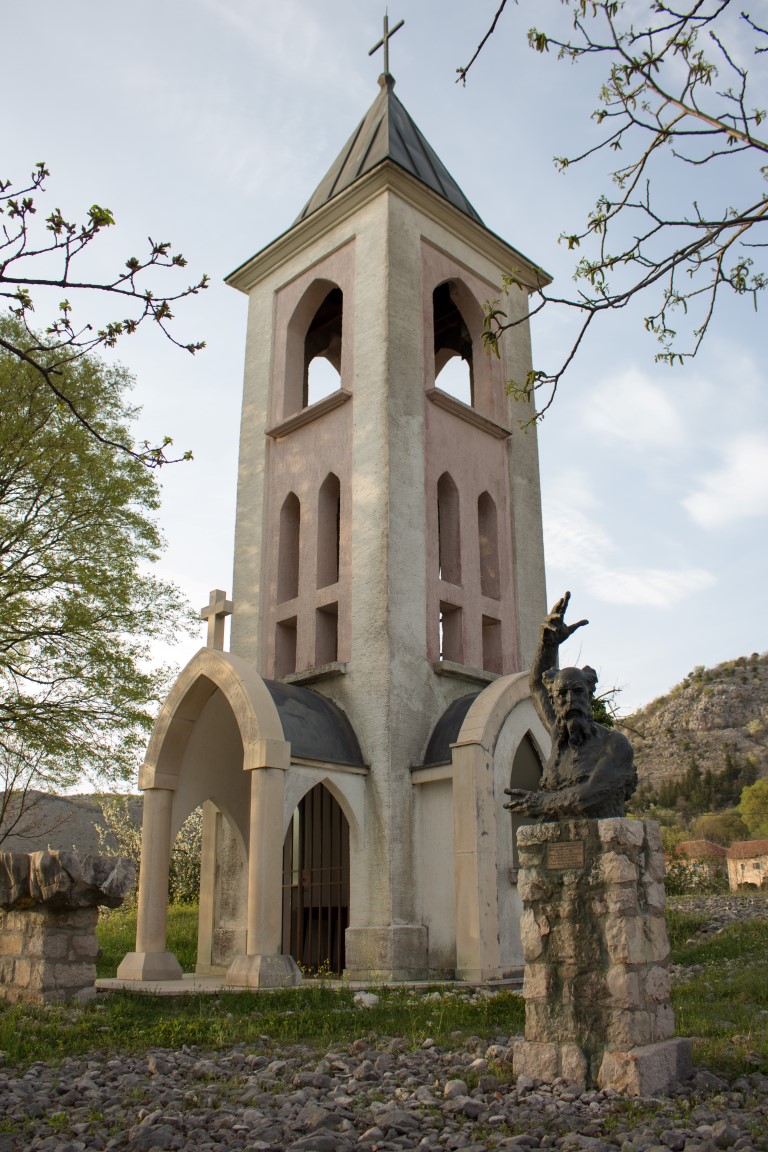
<point x="475" y="864"/>
<point x="264" y="966"/>
<point x="597" y="983"/>
<point x="151" y="961"/>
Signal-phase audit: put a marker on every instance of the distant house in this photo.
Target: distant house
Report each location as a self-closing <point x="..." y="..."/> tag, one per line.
<point x="747" y="863"/>
<point x="702" y="852"/>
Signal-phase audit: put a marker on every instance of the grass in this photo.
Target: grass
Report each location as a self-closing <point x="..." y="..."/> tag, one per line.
<point x="117" y="935"/>
<point x="720" y="999"/>
<point x="723" y="1004"/>
<point x="318" y="1015"/>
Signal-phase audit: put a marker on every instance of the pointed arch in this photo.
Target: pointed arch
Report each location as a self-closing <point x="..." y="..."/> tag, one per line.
<point x="289" y="549"/>
<point x="328" y="530"/>
<point x="247" y="695"/>
<point x="488" y="535"/>
<point x="314" y="330"/>
<point x="448" y="530"/>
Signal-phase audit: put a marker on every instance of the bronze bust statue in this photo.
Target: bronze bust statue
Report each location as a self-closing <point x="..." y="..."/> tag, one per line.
<point x="590" y="771"/>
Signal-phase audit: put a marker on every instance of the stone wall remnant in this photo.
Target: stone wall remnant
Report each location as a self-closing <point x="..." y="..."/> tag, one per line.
<point x="49" y="908"/>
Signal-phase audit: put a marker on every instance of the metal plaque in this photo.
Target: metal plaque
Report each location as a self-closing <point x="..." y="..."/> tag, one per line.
<point x="566" y="855"/>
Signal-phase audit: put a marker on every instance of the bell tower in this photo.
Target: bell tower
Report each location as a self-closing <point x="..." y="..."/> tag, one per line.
<point x="388" y="546"/>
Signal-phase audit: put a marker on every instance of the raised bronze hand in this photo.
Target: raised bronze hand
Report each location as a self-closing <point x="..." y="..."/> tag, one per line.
<point x="554" y="630"/>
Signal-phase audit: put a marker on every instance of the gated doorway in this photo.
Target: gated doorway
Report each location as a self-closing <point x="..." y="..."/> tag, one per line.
<point x="316" y="883"/>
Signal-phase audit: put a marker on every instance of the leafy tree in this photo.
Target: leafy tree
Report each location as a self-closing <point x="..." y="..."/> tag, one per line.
<point x="754" y="808"/>
<point x="675" y="107"/>
<point x="720" y="827"/>
<point x="79" y="607"/>
<point x="38" y="259"/>
<point x="123" y="830"/>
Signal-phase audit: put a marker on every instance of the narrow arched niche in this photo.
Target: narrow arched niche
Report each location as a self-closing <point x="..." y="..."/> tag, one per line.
<point x="448" y="530"/>
<point x="454" y="368"/>
<point x="322" y="349"/>
<point x="488" y="533"/>
<point x="328" y="530"/>
<point x="288" y="549"/>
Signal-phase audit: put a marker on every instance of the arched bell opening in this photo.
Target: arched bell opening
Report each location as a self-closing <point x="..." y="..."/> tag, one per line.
<point x="316" y="883"/>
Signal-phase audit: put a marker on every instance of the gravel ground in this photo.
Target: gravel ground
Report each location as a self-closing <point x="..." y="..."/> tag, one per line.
<point x="374" y="1095"/>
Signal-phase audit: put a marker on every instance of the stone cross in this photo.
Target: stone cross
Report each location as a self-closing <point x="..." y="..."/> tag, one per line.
<point x="385" y="41"/>
<point x="215" y="612"/>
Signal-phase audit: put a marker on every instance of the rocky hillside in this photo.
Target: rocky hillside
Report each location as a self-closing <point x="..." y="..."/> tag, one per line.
<point x="62" y="822"/>
<point x="716" y="718"/>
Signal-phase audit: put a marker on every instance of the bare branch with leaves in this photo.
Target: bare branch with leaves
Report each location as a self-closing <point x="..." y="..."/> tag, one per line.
<point x="48" y="258"/>
<point x="677" y="93"/>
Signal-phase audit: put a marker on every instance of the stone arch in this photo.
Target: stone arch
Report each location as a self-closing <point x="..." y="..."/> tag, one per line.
<point x="314" y="328"/>
<point x="457" y="322"/>
<point x="247" y="695"/>
<point x="488" y="908"/>
<point x="335" y="785"/>
<point x="238" y="703"/>
<point x="316" y="880"/>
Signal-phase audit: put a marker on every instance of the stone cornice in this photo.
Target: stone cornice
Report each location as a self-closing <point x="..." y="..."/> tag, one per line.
<point x="387" y="176"/>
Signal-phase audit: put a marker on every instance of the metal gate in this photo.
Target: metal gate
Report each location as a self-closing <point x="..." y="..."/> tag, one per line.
<point x="316" y="883"/>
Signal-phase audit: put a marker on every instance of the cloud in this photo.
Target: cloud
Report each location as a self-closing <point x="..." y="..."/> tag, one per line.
<point x="578" y="545"/>
<point x="631" y="407"/>
<point x="738" y="489"/>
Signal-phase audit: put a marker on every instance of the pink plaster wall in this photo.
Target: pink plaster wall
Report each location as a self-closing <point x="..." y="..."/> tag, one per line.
<point x="477" y="462"/>
<point x="300" y="461"/>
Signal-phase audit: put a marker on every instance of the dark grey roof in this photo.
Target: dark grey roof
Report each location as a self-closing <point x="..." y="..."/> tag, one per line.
<point x="447" y="729"/>
<point x="316" y="727"/>
<point x="387" y="132"/>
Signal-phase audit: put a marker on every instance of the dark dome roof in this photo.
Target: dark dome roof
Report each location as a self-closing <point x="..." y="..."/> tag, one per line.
<point x="447" y="729"/>
<point x="316" y="727"/>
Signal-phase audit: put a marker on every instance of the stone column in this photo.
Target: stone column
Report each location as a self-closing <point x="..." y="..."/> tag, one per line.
<point x="475" y="863"/>
<point x="151" y="961"/>
<point x="597" y="980"/>
<point x="264" y="966"/>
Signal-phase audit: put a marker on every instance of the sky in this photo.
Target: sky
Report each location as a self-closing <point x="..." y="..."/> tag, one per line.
<point x="210" y="122"/>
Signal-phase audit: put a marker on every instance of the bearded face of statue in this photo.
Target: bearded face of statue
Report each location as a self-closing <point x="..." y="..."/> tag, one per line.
<point x="570" y="690"/>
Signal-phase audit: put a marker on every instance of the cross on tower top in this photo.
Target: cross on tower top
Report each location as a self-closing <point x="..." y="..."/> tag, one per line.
<point x="215" y="612"/>
<point x="385" y="41"/>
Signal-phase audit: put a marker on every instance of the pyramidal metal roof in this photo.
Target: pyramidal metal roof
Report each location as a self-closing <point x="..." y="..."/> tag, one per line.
<point x="387" y="132"/>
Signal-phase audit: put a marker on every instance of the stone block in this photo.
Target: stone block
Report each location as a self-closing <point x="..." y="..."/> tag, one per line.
<point x="85" y="945"/>
<point x="565" y="942"/>
<point x="654" y="867"/>
<point x="663" y="1022"/>
<point x="653" y="837"/>
<point x="56" y="946"/>
<point x="621" y="833"/>
<point x="538" y="981"/>
<point x="531" y="935"/>
<point x="647" y="1070"/>
<point x="573" y="1065"/>
<point x="658" y="984"/>
<point x="617" y="868"/>
<point x="624" y="987"/>
<point x="626" y="942"/>
<point x="11" y="944"/>
<point x="540" y="1061"/>
<point x="658" y="939"/>
<point x="67" y="976"/>
<point x="14" y="878"/>
<point x="622" y="901"/>
<point x="655" y="896"/>
<point x="629" y="1029"/>
<point x="533" y="884"/>
<point x="543" y="833"/>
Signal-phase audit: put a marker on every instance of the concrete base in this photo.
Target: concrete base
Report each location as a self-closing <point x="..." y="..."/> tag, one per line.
<point x="646" y="1071"/>
<point x="386" y="952"/>
<point x="263" y="972"/>
<point x="149" y="966"/>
